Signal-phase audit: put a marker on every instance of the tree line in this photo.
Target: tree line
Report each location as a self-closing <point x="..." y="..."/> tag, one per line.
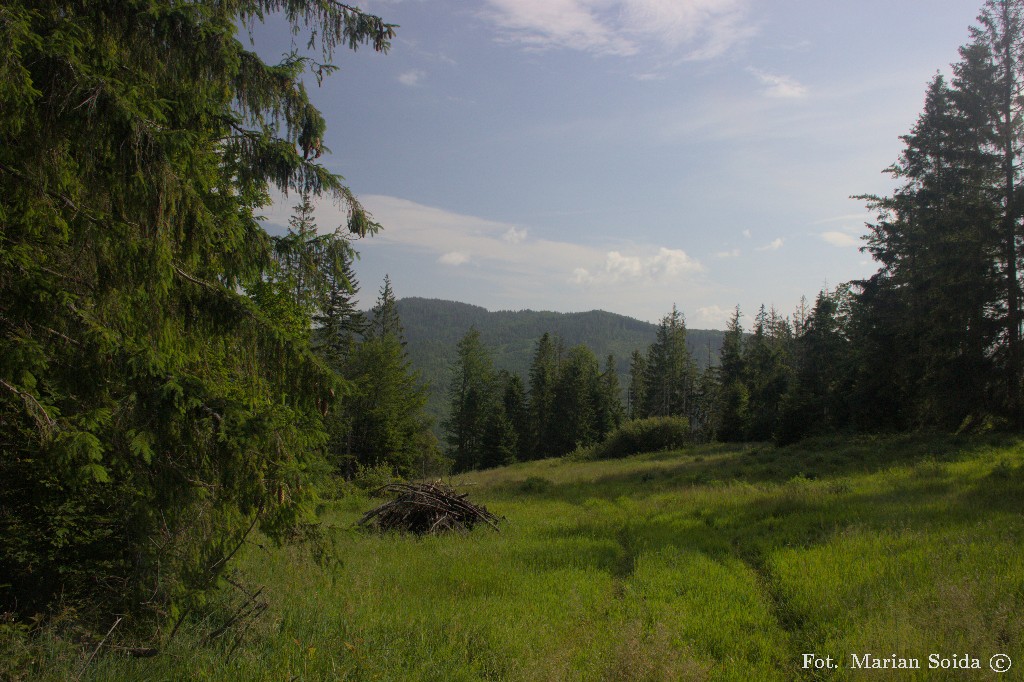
<point x="932" y="340"/>
<point x="766" y="385"/>
<point x="496" y="418"/>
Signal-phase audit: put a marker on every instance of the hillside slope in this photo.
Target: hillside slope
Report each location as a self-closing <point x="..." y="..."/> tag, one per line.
<point x="433" y="327"/>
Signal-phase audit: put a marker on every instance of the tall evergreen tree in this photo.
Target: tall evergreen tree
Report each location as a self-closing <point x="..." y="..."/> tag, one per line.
<point x="150" y="414"/>
<point x="767" y="373"/>
<point x="637" y="392"/>
<point x="340" y="323"/>
<point x="472" y="400"/>
<point x="704" y="415"/>
<point x="818" y="397"/>
<point x="385" y="411"/>
<point x="608" y="401"/>
<point x="544" y="374"/>
<point x="733" y="393"/>
<point x="997" y="47"/>
<point x="574" y="407"/>
<point x="517" y="412"/>
<point x="309" y="284"/>
<point x="500" y="441"/>
<point x="928" y="310"/>
<point x="671" y="373"/>
<point x="384" y="318"/>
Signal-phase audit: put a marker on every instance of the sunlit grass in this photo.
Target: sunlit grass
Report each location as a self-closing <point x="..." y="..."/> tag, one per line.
<point x="714" y="562"/>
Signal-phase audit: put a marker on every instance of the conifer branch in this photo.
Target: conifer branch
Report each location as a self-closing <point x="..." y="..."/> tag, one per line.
<point x="46" y="423"/>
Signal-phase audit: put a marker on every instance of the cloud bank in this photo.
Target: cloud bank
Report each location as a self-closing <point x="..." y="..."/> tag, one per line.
<point x="660" y="267"/>
<point x="494" y="260"/>
<point x="702" y="29"/>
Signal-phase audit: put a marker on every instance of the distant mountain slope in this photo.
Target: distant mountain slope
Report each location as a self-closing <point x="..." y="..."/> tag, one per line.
<point x="433" y="328"/>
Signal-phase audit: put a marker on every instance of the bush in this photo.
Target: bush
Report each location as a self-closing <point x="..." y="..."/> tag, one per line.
<point x="643" y="435"/>
<point x="373" y="477"/>
<point x="535" y="484"/>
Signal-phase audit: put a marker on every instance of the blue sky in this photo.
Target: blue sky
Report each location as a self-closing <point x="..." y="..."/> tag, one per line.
<point x="626" y="155"/>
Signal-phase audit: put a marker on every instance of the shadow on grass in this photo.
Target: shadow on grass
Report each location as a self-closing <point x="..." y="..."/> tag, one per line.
<point x="809" y="504"/>
<point x="757" y="463"/>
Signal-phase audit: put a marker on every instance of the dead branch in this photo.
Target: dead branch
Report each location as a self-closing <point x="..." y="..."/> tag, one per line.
<point x="424" y="509"/>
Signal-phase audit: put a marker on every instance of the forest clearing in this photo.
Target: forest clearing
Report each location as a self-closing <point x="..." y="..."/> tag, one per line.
<point x="716" y="562"/>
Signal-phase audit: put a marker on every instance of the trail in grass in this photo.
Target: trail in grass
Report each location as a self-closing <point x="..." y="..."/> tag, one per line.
<point x="622" y="569"/>
<point x="710" y="563"/>
<point x="787" y="619"/>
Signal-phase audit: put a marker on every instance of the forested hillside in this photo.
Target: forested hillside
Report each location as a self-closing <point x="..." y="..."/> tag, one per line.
<point x="433" y="328"/>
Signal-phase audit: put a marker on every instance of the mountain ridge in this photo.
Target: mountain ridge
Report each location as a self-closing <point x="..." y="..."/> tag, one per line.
<point x="434" y="326"/>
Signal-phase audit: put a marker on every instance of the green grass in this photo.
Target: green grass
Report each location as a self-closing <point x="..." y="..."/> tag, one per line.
<point x="714" y="562"/>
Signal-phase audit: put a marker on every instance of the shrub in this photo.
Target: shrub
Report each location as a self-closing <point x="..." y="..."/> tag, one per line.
<point x="643" y="435"/>
<point x="535" y="484"/>
<point x="373" y="477"/>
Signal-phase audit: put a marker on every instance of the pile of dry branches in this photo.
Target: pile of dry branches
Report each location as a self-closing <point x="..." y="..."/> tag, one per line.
<point x="424" y="508"/>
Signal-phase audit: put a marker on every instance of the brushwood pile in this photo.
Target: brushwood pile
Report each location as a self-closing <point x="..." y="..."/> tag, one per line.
<point x="425" y="509"/>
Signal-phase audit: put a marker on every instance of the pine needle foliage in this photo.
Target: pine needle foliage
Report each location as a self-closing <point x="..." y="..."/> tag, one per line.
<point x="151" y="415"/>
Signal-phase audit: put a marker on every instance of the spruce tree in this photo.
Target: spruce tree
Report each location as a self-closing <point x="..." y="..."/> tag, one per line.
<point x="544" y="374"/>
<point x="997" y="47"/>
<point x="574" y="407"/>
<point x="637" y="392"/>
<point x="818" y="396"/>
<point x="767" y="374"/>
<point x="608" y="400"/>
<point x="385" y="410"/>
<point x="517" y="411"/>
<point x="384" y="318"/>
<point x="928" y="311"/>
<point x="150" y="415"/>
<point x="733" y="392"/>
<point x="471" y="401"/>
<point x="339" y="323"/>
<point x="671" y="373"/>
<point x="500" y="441"/>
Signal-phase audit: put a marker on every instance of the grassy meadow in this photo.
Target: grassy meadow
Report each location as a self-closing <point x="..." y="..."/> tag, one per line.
<point x="715" y="562"/>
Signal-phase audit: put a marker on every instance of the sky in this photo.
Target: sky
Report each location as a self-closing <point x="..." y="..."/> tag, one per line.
<point x="624" y="155"/>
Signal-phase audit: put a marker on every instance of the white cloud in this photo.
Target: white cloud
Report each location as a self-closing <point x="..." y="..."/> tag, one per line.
<point x="514" y="235"/>
<point x="774" y="245"/>
<point x="840" y="238"/>
<point x="640" y="280"/>
<point x="735" y="253"/>
<point x="711" y="317"/>
<point x="557" y="23"/>
<point x="747" y="234"/>
<point x="412" y="78"/>
<point x="703" y="28"/>
<point x="660" y="267"/>
<point x="454" y="258"/>
<point x="782" y="87"/>
<point x="580" y="276"/>
<point x="859" y="218"/>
